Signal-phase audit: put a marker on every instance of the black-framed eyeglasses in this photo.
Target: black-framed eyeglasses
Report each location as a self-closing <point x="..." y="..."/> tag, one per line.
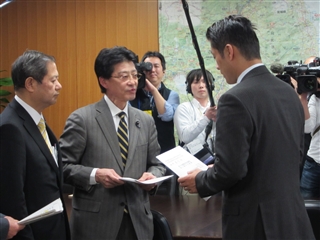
<point x="125" y="76"/>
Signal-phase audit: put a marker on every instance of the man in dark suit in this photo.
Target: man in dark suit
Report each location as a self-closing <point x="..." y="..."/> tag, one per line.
<point x="259" y="143"/>
<point x="30" y="166"/>
<point x="103" y="206"/>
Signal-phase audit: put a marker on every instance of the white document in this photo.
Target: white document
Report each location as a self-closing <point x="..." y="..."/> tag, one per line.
<point x="181" y="161"/>
<point x="52" y="208"/>
<point x="158" y="180"/>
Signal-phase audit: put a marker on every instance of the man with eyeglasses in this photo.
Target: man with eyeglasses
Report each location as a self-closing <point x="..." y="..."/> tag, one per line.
<point x="99" y="146"/>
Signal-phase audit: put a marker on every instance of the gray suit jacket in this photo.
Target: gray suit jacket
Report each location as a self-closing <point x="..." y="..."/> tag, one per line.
<point x="259" y="145"/>
<point x="90" y="141"/>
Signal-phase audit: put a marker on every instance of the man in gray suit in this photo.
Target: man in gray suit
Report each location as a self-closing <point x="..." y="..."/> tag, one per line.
<point x="105" y="207"/>
<point x="259" y="143"/>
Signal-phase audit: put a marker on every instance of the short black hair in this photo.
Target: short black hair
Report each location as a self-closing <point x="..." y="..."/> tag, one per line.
<point x="196" y="75"/>
<point x="238" y="31"/>
<point x="155" y="54"/>
<point x="108" y="57"/>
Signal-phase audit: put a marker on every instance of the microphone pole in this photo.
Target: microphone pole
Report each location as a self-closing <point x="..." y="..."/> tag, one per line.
<point x="196" y="46"/>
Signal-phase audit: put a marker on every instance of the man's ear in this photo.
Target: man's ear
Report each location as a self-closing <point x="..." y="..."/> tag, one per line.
<point x="103" y="82"/>
<point x="29" y="84"/>
<point x="229" y="51"/>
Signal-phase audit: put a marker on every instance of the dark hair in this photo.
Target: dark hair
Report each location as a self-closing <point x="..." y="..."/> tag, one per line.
<point x="155" y="54"/>
<point x="238" y="31"/>
<point x="31" y="63"/>
<point x="195" y="75"/>
<point x="108" y="57"/>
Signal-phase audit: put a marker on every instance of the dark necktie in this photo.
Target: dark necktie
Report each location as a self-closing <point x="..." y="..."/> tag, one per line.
<point x="123" y="138"/>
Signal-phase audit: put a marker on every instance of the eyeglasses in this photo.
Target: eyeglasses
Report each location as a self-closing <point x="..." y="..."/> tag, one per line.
<point x="125" y="76"/>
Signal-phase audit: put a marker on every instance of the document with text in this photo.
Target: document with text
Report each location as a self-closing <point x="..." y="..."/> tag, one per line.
<point x="181" y="161"/>
<point x="52" y="208"/>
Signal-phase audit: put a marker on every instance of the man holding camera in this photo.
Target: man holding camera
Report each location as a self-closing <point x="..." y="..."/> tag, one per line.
<point x="310" y="179"/>
<point x="158" y="100"/>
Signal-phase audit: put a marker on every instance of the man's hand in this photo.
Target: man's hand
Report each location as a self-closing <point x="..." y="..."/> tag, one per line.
<point x="149" y="87"/>
<point x="108" y="178"/>
<point x="189" y="182"/>
<point x="146" y="176"/>
<point x="14" y="227"/>
<point x="211" y="113"/>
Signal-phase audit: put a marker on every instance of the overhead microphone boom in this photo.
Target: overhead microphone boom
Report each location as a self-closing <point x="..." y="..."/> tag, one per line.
<point x="196" y="46"/>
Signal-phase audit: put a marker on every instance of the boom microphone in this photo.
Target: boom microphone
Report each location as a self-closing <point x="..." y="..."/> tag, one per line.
<point x="277" y="68"/>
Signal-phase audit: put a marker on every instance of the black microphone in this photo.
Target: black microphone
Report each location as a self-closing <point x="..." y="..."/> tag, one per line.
<point x="277" y="68"/>
<point x="208" y="129"/>
<point x="137" y="124"/>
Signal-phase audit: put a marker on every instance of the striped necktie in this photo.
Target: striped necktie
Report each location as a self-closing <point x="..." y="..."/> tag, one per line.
<point x="123" y="138"/>
<point x="42" y="128"/>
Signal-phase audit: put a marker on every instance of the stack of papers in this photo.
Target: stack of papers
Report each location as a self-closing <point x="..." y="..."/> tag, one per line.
<point x="158" y="180"/>
<point x="51" y="209"/>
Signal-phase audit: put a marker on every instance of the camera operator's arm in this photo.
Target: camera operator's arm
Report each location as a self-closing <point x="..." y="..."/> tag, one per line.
<point x="303" y="99"/>
<point x="294" y="83"/>
<point x="158" y="99"/>
<point x="165" y="108"/>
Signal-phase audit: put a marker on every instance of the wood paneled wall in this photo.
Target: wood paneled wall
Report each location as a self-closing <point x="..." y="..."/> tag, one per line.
<point x="74" y="32"/>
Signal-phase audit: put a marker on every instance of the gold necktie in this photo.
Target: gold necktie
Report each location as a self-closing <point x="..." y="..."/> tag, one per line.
<point x="123" y="138"/>
<point x="42" y="128"/>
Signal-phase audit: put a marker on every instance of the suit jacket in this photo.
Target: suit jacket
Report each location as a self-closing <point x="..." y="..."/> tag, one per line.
<point x="4" y="227"/>
<point x="259" y="145"/>
<point x="29" y="176"/>
<point x="90" y="141"/>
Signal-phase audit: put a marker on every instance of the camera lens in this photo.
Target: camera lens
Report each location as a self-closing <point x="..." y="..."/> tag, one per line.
<point x="309" y="84"/>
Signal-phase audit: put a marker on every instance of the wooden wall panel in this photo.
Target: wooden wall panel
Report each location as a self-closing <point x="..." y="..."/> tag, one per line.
<point x="74" y="32"/>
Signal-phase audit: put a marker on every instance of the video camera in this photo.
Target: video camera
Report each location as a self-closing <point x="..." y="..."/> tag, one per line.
<point x="141" y="67"/>
<point x="305" y="75"/>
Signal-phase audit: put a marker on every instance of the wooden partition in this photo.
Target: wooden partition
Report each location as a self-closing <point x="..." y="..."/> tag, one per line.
<point x="74" y="32"/>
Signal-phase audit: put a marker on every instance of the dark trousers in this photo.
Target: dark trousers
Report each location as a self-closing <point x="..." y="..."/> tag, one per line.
<point x="310" y="179"/>
<point x="126" y="230"/>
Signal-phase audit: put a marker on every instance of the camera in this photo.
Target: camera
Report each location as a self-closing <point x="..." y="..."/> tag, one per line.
<point x="305" y="75"/>
<point x="284" y="77"/>
<point x="141" y="68"/>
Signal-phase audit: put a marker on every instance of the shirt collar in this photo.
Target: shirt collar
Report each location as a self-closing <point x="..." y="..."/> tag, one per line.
<point x="113" y="108"/>
<point x="248" y="70"/>
<point x="32" y="112"/>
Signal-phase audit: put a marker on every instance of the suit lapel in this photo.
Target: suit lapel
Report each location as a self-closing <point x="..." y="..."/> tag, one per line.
<point x="106" y="125"/>
<point x="134" y="131"/>
<point x="35" y="134"/>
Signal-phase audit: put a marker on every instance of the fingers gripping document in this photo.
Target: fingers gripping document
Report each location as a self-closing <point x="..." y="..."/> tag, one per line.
<point x="52" y="208"/>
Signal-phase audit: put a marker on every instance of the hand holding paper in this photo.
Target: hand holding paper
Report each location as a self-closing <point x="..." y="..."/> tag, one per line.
<point x="157" y="181"/>
<point x="180" y="161"/>
<point x="188" y="182"/>
<point x="185" y="165"/>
